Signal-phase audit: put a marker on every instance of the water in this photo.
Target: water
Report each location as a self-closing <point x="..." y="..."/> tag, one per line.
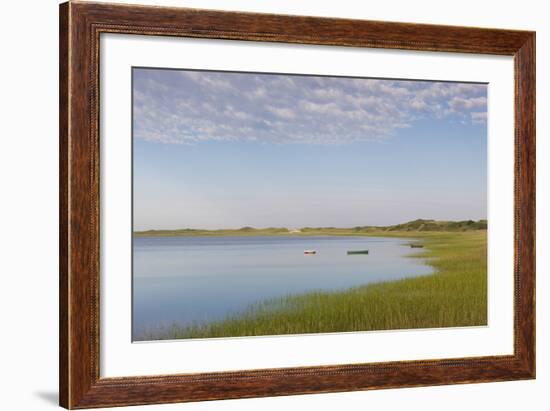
<point x="187" y="280"/>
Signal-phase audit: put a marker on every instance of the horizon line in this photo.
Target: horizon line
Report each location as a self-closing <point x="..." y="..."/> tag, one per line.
<point x="307" y="227"/>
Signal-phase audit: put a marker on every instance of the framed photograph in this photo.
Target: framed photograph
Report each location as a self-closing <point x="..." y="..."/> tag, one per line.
<point x="258" y="205"/>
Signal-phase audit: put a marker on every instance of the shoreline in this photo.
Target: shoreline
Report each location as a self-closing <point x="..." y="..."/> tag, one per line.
<point x="455" y="294"/>
<point x="419" y="225"/>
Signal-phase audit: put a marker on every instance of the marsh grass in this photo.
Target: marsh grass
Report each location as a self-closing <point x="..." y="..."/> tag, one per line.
<point x="454" y="295"/>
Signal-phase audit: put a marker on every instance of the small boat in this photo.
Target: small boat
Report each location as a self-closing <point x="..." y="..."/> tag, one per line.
<point x="352" y="252"/>
<point x="310" y="252"/>
<point x="417" y="246"/>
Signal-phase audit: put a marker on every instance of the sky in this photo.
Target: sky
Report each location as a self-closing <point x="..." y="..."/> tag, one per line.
<point x="227" y="150"/>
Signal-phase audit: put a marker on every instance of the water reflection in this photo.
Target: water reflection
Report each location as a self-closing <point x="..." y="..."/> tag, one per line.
<point x="189" y="280"/>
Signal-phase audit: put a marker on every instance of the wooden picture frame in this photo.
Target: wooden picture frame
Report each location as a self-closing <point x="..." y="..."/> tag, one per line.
<point x="80" y="27"/>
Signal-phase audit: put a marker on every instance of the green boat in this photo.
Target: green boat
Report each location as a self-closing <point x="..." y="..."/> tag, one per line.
<point x="358" y="252"/>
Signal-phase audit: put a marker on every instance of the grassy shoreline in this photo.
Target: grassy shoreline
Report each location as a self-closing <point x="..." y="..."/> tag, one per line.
<point x="454" y="295"/>
<point x="419" y="225"/>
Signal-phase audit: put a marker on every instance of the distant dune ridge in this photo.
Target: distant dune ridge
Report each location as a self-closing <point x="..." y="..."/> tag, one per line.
<point x="419" y="225"/>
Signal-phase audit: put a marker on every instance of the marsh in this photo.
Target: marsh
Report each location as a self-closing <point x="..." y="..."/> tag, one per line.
<point x="195" y="280"/>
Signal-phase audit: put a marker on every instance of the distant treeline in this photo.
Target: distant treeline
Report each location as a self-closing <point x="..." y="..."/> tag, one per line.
<point x="416" y="225"/>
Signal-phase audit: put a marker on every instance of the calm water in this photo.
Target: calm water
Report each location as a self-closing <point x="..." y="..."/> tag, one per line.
<point x="188" y="280"/>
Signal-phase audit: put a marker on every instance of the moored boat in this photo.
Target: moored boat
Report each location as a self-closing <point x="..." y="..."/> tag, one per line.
<point x="351" y="252"/>
<point x="310" y="252"/>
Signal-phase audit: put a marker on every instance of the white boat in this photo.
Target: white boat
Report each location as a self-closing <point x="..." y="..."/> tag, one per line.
<point x="310" y="252"/>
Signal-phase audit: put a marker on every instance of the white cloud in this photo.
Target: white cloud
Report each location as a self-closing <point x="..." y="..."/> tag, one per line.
<point x="257" y="93"/>
<point x="285" y="113"/>
<point x="461" y="103"/>
<point x="188" y="106"/>
<point x="207" y="80"/>
<point x="479" y="117"/>
<point x="418" y="104"/>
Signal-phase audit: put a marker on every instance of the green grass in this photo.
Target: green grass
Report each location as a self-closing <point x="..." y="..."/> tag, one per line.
<point x="455" y="295"/>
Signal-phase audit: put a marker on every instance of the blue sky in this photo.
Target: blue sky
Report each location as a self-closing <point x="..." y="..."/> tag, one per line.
<point x="226" y="150"/>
